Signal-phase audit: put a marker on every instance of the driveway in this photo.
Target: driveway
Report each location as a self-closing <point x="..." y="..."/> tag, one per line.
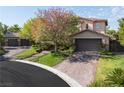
<point x="80" y="66"/>
<point x="12" y="52"/>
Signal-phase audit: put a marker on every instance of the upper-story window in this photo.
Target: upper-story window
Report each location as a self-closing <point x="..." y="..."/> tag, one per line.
<point x="87" y="26"/>
<point x="99" y="26"/>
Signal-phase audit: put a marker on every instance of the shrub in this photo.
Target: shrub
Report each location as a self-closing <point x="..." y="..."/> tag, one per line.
<point x="43" y="46"/>
<point x="115" y="78"/>
<point x="2" y="52"/>
<point x="104" y="52"/>
<point x="37" y="47"/>
<point x="67" y="52"/>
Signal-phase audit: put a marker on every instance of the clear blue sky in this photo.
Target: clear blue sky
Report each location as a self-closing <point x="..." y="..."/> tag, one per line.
<point x="19" y="15"/>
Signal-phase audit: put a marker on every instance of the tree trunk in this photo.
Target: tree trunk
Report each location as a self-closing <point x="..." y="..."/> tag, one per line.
<point x="56" y="47"/>
<point x="0" y="45"/>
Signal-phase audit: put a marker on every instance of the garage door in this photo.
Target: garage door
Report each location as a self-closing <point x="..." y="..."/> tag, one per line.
<point x="88" y="44"/>
<point x="25" y="42"/>
<point x="12" y="42"/>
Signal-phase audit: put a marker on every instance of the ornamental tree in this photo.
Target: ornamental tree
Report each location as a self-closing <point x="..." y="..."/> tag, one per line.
<point x="25" y="33"/>
<point x="59" y="25"/>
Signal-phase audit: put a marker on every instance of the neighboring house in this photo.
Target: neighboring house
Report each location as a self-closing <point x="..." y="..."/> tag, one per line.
<point x="13" y="39"/>
<point x="92" y="35"/>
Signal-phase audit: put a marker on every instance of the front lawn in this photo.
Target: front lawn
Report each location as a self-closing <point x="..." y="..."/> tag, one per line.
<point x="26" y="54"/>
<point x="106" y="65"/>
<point x="50" y="59"/>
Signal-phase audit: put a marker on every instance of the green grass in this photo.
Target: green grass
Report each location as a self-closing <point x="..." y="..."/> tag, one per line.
<point x="106" y="65"/>
<point x="103" y="52"/>
<point x="26" y="54"/>
<point x="50" y="59"/>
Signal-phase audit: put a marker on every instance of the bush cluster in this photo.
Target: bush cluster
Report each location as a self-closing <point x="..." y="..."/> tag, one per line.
<point x="114" y="79"/>
<point x="2" y="52"/>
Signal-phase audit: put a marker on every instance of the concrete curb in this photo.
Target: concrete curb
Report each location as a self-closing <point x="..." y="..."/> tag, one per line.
<point x="62" y="75"/>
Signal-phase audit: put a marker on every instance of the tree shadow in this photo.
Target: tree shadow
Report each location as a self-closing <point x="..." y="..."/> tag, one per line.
<point x="86" y="58"/>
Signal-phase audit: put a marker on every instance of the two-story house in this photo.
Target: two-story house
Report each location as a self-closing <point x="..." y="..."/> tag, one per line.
<point x="92" y="35"/>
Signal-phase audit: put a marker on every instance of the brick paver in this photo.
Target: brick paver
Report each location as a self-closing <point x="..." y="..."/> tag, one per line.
<point x="83" y="72"/>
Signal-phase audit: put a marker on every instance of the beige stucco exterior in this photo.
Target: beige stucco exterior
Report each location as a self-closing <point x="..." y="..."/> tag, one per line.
<point x="92" y="26"/>
<point x="103" y="25"/>
<point x="90" y="35"/>
<point x="84" y="23"/>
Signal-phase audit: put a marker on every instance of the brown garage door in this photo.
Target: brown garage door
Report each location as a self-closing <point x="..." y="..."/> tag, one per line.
<point x="13" y="42"/>
<point x="25" y="42"/>
<point x="88" y="44"/>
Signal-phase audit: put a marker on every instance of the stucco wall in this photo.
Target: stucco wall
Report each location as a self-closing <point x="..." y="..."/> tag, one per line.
<point x="102" y="30"/>
<point x="83" y="25"/>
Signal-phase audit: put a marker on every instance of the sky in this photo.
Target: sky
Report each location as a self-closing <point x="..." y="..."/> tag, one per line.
<point x="11" y="15"/>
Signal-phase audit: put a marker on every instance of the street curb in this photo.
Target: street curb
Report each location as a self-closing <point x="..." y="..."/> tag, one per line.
<point x="62" y="75"/>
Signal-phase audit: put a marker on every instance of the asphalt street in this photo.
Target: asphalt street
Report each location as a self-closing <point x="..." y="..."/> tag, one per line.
<point x="16" y="74"/>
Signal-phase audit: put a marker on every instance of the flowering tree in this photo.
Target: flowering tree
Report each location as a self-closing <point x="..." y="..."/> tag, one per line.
<point x="37" y="30"/>
<point x="59" y="25"/>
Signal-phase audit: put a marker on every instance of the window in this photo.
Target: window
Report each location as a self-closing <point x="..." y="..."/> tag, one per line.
<point x="99" y="26"/>
<point x="86" y="26"/>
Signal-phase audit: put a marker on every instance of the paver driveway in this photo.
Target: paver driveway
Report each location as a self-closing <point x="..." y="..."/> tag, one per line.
<point x="82" y="71"/>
